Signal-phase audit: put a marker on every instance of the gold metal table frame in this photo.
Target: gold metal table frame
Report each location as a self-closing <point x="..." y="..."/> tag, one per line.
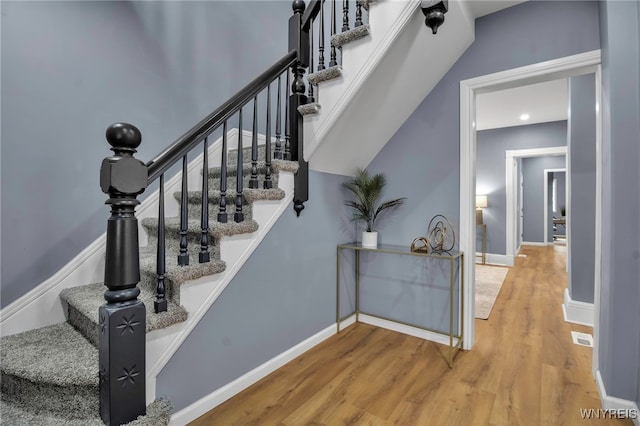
<point x="401" y="250"/>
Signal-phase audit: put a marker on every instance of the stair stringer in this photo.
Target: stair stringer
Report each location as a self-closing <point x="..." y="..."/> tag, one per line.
<point x="385" y="76"/>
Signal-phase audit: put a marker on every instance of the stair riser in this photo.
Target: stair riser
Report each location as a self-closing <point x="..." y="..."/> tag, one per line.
<point x="232" y="156"/>
<point x="88" y="328"/>
<point x="76" y="401"/>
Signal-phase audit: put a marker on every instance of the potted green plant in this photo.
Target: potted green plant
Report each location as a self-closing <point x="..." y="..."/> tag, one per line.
<point x="366" y="204"/>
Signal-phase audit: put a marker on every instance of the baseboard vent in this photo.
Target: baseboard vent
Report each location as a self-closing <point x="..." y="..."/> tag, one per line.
<point x="582" y="339"/>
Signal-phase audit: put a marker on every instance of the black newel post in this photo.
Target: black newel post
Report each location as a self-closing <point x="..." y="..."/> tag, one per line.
<point x="122" y="319"/>
<point x="299" y="40"/>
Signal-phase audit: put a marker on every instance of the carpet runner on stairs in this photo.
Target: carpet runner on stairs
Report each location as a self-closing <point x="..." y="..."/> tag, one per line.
<point x="50" y="375"/>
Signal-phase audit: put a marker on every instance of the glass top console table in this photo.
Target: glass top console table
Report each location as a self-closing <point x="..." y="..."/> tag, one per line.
<point x="455" y="259"/>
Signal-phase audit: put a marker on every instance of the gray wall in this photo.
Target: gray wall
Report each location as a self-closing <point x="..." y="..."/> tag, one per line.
<point x="490" y="175"/>
<point x="421" y="160"/>
<point x="69" y="69"/>
<point x="533" y="197"/>
<point x="619" y="317"/>
<point x="582" y="159"/>
<point x="283" y="294"/>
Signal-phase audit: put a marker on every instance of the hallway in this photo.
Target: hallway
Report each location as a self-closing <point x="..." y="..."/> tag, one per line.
<point x="523" y="370"/>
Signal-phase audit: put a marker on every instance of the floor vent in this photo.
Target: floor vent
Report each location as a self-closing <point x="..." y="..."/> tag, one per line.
<point x="582" y="339"/>
<point x="522" y="255"/>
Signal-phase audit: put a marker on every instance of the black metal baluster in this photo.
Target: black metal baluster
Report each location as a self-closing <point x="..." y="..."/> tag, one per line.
<point x="333" y="62"/>
<point x="238" y="216"/>
<point x="311" y="95"/>
<point x="345" y="15"/>
<point x="278" y="152"/>
<point x="183" y="257"/>
<point x="160" y="304"/>
<point x="358" y="14"/>
<point x="253" y="182"/>
<point x="222" y="212"/>
<point x="287" y="126"/>
<point x="321" y="38"/>
<point x="204" y="256"/>
<point x="268" y="183"/>
<point x="122" y="177"/>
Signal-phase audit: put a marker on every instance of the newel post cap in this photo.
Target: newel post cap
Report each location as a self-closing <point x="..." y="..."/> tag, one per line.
<point x="122" y="173"/>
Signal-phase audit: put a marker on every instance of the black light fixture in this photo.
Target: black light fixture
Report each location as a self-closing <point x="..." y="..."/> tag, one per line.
<point x="434" y="11"/>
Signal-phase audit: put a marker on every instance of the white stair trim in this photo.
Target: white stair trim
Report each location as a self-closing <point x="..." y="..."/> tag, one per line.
<point x="386" y="76"/>
<point x="377" y="53"/>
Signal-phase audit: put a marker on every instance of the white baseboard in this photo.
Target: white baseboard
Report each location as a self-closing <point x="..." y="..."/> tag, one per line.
<point x="405" y="329"/>
<point x="534" y="243"/>
<point x="219" y="396"/>
<point x="613" y="403"/>
<point x="347" y="322"/>
<point x="577" y="312"/>
<point x="496" y="259"/>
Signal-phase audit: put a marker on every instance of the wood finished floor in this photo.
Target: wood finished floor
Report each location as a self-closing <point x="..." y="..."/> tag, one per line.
<point x="523" y="370"/>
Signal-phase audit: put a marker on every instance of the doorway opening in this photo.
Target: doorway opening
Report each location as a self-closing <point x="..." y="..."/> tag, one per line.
<point x="585" y="63"/>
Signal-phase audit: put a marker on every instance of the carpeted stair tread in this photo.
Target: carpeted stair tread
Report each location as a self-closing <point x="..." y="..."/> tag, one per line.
<point x="86" y="300"/>
<point x="56" y="355"/>
<point x="216" y="229"/>
<point x="15" y="413"/>
<point x="176" y="274"/>
<point x="276" y="166"/>
<point x="330" y="73"/>
<point x="340" y="39"/>
<point x="214" y="185"/>
<point x="248" y="195"/>
<point x="309" y="109"/>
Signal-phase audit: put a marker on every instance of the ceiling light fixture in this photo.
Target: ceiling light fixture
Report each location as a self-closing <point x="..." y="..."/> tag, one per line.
<point x="524" y="117"/>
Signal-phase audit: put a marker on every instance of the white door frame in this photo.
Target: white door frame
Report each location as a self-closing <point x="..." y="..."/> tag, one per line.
<point x="584" y="63"/>
<point x="511" y="181"/>
<point x="546" y="200"/>
<point x="520" y="206"/>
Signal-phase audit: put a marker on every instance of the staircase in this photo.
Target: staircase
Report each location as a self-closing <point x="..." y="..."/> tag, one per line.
<point x="48" y="370"/>
<point x="51" y="375"/>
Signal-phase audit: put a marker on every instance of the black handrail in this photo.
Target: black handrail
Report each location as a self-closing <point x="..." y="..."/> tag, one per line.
<point x="310" y="13"/>
<point x="189" y="140"/>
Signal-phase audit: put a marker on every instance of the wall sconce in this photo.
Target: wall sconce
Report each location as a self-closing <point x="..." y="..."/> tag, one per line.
<point x="481" y="203"/>
<point x="434" y="11"/>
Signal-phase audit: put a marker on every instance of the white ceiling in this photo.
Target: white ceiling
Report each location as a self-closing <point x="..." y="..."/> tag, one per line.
<point x="543" y="102"/>
<point x="484" y="7"/>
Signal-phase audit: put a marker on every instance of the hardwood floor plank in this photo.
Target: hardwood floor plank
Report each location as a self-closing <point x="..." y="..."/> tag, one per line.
<point x="523" y="370"/>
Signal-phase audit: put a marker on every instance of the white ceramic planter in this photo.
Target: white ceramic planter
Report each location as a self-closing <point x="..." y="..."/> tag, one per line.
<point x="370" y="239"/>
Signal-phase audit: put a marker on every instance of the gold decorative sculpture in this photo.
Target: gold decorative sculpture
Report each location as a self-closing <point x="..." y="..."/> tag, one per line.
<point x="440" y="234"/>
<point x="420" y="245"/>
